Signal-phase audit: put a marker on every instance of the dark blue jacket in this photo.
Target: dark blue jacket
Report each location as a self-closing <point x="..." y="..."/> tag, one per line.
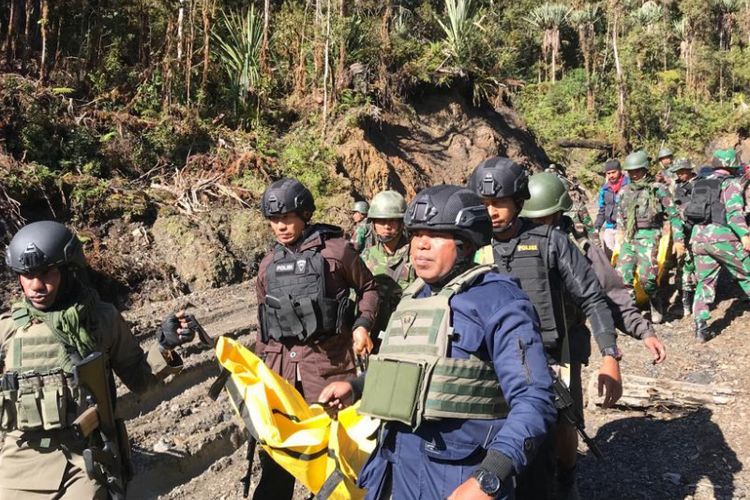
<point x="493" y="320"/>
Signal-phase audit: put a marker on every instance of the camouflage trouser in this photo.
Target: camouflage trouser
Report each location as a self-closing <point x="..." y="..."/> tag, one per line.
<point x="639" y="255"/>
<point x="686" y="272"/>
<point x="709" y="257"/>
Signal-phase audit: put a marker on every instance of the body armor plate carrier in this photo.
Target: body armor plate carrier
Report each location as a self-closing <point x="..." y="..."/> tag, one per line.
<point x="296" y="305"/>
<point x="705" y="205"/>
<point x="36" y="393"/>
<point x="412" y="378"/>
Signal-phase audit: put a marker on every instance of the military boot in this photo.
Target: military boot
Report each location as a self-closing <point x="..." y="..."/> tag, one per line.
<point x="657" y="309"/>
<point x="701" y="330"/>
<point x="567" y="486"/>
<point x="687" y="303"/>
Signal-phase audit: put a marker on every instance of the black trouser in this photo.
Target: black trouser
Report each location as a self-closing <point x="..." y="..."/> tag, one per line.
<point x="275" y="482"/>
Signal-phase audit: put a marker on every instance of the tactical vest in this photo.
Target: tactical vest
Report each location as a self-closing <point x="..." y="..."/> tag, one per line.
<point x="526" y="259"/>
<point x="412" y="378"/>
<point x="648" y="215"/>
<point x="705" y="205"/>
<point x="36" y="393"/>
<point x="682" y="192"/>
<point x="610" y="204"/>
<point x="296" y="304"/>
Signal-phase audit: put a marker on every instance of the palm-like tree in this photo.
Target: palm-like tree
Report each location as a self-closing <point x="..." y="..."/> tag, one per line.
<point x="548" y="18"/>
<point x="648" y="15"/>
<point x="584" y="20"/>
<point x="457" y="27"/>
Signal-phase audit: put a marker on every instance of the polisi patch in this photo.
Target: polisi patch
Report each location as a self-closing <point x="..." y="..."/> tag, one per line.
<point x="285" y="267"/>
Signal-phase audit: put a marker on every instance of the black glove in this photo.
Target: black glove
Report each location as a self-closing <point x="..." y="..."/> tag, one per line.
<point x="171" y="335"/>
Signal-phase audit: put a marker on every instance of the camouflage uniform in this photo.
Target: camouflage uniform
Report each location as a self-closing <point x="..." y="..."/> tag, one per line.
<point x="686" y="272"/>
<point x="717" y="245"/>
<point x="362" y="236"/>
<point x="393" y="273"/>
<point x="653" y="209"/>
<point x="578" y="212"/>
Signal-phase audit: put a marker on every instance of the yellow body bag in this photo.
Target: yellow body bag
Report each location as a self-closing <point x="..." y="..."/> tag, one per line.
<point x="662" y="258"/>
<point x="303" y="439"/>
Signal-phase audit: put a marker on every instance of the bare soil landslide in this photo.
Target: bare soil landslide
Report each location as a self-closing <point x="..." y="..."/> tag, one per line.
<point x="187" y="446"/>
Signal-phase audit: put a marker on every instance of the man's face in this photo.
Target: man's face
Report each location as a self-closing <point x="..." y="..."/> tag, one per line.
<point x="685" y="174"/>
<point x="287" y="228"/>
<point x="358" y="217"/>
<point x="433" y="254"/>
<point x="665" y="162"/>
<point x="613" y="175"/>
<point x="41" y="287"/>
<point x="637" y="174"/>
<point x="503" y="211"/>
<point x="387" y="229"/>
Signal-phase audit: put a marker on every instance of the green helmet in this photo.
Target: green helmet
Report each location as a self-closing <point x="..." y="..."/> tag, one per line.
<point x="548" y="196"/>
<point x="664" y="153"/>
<point x="680" y="164"/>
<point x="361" y="206"/>
<point x="635" y="160"/>
<point x="725" y="158"/>
<point x="387" y="205"/>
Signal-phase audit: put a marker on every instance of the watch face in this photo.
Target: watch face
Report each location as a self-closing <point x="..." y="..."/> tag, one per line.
<point x="489" y="482"/>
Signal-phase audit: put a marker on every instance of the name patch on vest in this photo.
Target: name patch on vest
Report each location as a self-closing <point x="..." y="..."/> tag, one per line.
<point x="407" y="319"/>
<point x="528" y="248"/>
<point x="286" y="267"/>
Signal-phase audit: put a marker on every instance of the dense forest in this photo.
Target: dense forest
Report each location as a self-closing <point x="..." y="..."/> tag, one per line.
<point x="133" y="89"/>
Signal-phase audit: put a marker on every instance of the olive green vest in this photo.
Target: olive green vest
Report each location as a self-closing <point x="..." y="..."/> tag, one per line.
<point x="37" y="394"/>
<point x="412" y="378"/>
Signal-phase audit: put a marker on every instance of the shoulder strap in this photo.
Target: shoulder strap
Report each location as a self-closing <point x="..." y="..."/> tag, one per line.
<point x="465" y="280"/>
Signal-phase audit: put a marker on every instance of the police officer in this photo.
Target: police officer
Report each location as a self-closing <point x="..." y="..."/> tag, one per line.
<point x="607" y="201"/>
<point x="307" y="323"/>
<point x="552" y="271"/>
<point x="645" y="212"/>
<point x="719" y="237"/>
<point x="488" y="402"/>
<point x="361" y="233"/>
<point x="58" y="323"/>
<point x="388" y="258"/>
<point x="549" y="203"/>
<point x="682" y="189"/>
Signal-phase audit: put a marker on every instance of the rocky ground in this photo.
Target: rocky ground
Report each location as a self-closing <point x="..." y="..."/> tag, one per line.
<point x="187" y="446"/>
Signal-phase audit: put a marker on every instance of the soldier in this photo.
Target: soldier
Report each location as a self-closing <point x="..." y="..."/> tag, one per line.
<point x="552" y="271"/>
<point x="549" y="204"/>
<point x="719" y="238"/>
<point x="307" y="323"/>
<point x="605" y="218"/>
<point x="580" y="199"/>
<point x="665" y="158"/>
<point x="361" y="233"/>
<point x="59" y="323"/>
<point x="644" y="213"/>
<point x="683" y="186"/>
<point x="388" y="259"/>
<point x="488" y="401"/>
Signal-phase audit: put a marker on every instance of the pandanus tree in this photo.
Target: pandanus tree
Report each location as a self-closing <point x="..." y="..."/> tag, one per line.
<point x="584" y="21"/>
<point x="548" y="18"/>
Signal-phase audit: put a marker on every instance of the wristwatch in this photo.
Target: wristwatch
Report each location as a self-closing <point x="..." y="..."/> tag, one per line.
<point x="613" y="351"/>
<point x="488" y="482"/>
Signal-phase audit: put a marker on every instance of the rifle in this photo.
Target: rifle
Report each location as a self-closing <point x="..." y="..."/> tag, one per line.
<point x="107" y="459"/>
<point x="566" y="409"/>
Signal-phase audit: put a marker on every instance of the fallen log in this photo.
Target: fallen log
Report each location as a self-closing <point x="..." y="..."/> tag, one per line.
<point x="647" y="392"/>
<point x="585" y="144"/>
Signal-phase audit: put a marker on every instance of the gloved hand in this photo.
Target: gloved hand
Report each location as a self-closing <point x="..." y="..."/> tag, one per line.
<point x="175" y="330"/>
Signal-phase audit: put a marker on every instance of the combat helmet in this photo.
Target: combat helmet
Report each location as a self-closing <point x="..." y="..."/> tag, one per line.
<point x="548" y="196"/>
<point x="635" y="160"/>
<point x="664" y="152"/>
<point x="681" y="164"/>
<point x="361" y="207"/>
<point x="287" y="195"/>
<point x="450" y="209"/>
<point x="725" y="158"/>
<point x="499" y="177"/>
<point x="387" y="205"/>
<point x="44" y="244"/>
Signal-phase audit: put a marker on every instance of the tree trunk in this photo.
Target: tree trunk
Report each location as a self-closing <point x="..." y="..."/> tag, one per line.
<point x="264" y="43"/>
<point x="43" y="25"/>
<point x="180" y="22"/>
<point x="385" y="36"/>
<point x="300" y="73"/>
<point x="341" y="79"/>
<point x="28" y="15"/>
<point x="206" y="11"/>
<point x="10" y="36"/>
<point x="622" y="118"/>
<point x="646" y="392"/>
<point x="326" y="66"/>
<point x="189" y="51"/>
